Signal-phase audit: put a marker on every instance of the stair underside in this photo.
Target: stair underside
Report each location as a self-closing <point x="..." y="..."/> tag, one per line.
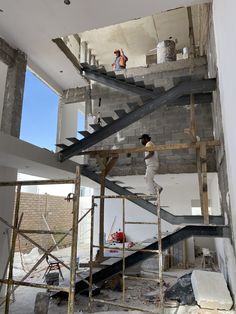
<point x="167" y="242"/>
<point x="170" y="96"/>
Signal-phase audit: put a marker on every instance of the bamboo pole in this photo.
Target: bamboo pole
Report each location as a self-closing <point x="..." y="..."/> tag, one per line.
<point x="91" y="256"/>
<point x="123" y="250"/>
<point x="101" y="221"/>
<point x="35" y="285"/>
<point x="163" y="147"/>
<point x="129" y="249"/>
<point x="39" y="182"/>
<point x="35" y="243"/>
<point x="12" y="251"/>
<point x="126" y="306"/>
<point x="203" y="157"/>
<point x="47" y="252"/>
<point x="76" y="199"/>
<point x="160" y="256"/>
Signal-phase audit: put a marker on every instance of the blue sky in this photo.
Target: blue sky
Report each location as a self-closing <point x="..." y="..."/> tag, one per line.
<point x="39" y="115"/>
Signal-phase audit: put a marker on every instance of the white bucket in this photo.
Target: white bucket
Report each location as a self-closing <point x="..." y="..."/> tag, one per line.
<point x="166" y="51"/>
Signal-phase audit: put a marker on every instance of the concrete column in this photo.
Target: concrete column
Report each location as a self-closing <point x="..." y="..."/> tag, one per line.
<point x="13" y="97"/>
<point x="3" y="76"/>
<point x="92" y="60"/>
<point x="83" y="52"/>
<point x="89" y="56"/>
<point x="59" y="123"/>
<point x="13" y="80"/>
<point x="97" y="63"/>
<point x="7" y="196"/>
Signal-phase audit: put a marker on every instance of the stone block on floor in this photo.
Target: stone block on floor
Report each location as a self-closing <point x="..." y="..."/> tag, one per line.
<point x="210" y="290"/>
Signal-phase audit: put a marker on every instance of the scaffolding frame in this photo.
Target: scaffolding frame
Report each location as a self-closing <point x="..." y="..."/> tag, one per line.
<point x="14" y="284"/>
<point x="158" y="280"/>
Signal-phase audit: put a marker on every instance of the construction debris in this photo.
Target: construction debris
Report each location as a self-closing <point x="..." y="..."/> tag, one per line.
<point x="114" y="283"/>
<point x="41" y="303"/>
<point x="182" y="291"/>
<point x="210" y="290"/>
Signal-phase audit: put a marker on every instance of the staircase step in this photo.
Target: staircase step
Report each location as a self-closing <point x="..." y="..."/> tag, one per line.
<point x="128" y="187"/>
<point x="62" y="146"/>
<point x="85" y="65"/>
<point x="85" y="133"/>
<point x="101" y="70"/>
<point x="120" y="112"/>
<point x="130" y="80"/>
<point x="145" y="98"/>
<point x="72" y="139"/>
<point x="140" y="84"/>
<point x="108" y="120"/>
<point x="150" y="87"/>
<point x="132" y="105"/>
<point x="96" y="126"/>
<point x="111" y="73"/>
<point x="121" y="77"/>
<point x="159" y="90"/>
<point x="117" y="182"/>
<point x="177" y="80"/>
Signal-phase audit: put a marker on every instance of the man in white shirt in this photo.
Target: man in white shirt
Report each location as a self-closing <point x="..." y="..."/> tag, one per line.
<point x="152" y="165"/>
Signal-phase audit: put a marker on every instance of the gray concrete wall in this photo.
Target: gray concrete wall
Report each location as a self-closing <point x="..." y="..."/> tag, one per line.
<point x="165" y="125"/>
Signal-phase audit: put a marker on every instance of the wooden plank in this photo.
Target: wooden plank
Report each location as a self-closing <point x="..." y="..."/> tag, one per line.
<point x="203" y="157"/>
<point x="163" y="147"/>
<point x="101" y="222"/>
<point x="193" y="117"/>
<point x="106" y="165"/>
<point x="110" y="165"/>
<point x="199" y="171"/>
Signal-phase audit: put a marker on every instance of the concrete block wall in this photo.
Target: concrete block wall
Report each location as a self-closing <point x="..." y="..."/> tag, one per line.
<point x="58" y="215"/>
<point x="165" y="125"/>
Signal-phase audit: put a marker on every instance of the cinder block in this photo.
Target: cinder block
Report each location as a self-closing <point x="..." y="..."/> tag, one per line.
<point x="41" y="303"/>
<point x="210" y="290"/>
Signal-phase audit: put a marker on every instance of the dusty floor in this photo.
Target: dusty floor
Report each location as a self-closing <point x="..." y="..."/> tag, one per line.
<point x="136" y="292"/>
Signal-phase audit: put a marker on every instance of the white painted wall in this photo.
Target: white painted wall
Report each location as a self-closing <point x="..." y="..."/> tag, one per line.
<point x="68" y="124"/>
<point x="3" y="75"/>
<point x="178" y="192"/>
<point x="225" y="29"/>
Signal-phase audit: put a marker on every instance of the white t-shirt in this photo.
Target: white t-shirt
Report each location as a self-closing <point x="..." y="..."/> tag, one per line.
<point x="152" y="161"/>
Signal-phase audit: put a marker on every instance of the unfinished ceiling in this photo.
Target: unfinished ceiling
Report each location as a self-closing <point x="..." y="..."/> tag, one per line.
<point x="31" y="26"/>
<point x="140" y="37"/>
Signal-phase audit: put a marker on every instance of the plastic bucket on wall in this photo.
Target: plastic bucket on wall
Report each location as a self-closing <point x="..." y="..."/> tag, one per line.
<point x="166" y="51"/>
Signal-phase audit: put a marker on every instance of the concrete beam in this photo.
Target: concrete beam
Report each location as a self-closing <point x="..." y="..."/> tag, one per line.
<point x="13" y="97"/>
<point x="7" y="53"/>
<point x="60" y="43"/>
